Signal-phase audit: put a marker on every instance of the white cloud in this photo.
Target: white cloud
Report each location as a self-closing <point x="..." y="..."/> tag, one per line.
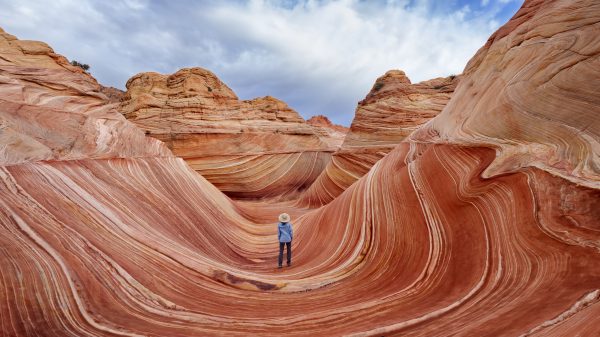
<point x="320" y="57"/>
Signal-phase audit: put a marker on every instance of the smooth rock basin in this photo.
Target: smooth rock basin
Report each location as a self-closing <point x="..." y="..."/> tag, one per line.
<point x="483" y="221"/>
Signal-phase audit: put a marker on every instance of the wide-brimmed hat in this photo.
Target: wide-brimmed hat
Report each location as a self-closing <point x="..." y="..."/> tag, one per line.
<point x="284" y="217"/>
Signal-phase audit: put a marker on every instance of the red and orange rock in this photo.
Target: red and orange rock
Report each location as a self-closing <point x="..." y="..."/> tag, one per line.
<point x="457" y="231"/>
<point x="229" y="141"/>
<point x="331" y="134"/>
<point x="52" y="110"/>
<point x="391" y="111"/>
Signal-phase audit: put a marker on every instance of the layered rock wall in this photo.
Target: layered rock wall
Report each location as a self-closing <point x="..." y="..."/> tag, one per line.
<point x="249" y="149"/>
<point x="536" y="89"/>
<point x="332" y="134"/>
<point x="43" y="93"/>
<point x="392" y="110"/>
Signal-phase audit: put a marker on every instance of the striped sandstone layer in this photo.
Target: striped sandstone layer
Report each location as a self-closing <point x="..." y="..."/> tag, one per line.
<point x="332" y="134"/>
<point x="536" y="84"/>
<point x="254" y="149"/>
<point x="427" y="243"/>
<point x="52" y="110"/>
<point x="391" y="111"/>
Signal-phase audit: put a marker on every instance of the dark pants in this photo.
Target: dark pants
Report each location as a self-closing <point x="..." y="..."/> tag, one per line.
<point x="289" y="252"/>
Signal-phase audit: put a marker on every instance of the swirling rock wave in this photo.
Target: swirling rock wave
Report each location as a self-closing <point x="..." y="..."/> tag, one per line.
<point x="440" y="237"/>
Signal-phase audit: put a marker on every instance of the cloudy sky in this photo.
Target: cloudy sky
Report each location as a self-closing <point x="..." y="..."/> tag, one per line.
<point x="321" y="57"/>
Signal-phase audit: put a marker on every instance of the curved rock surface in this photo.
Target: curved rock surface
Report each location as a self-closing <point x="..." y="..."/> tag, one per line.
<point x="248" y="149"/>
<point x="392" y="110"/>
<point x="536" y="83"/>
<point x="427" y="243"/>
<point x="52" y="110"/>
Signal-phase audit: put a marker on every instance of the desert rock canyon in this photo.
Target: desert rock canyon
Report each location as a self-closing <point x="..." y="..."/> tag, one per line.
<point x="460" y="206"/>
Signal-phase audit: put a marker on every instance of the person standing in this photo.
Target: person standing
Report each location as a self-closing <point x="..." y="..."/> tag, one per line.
<point x="285" y="235"/>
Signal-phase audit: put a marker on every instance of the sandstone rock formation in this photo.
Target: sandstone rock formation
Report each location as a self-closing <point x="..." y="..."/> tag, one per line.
<point x="43" y="93"/>
<point x="324" y="122"/>
<point x="234" y="144"/>
<point x="114" y="95"/>
<point x="540" y="106"/>
<point x="433" y="241"/>
<point x="332" y="134"/>
<point x="31" y="53"/>
<point x="395" y="107"/>
<point x="391" y="111"/>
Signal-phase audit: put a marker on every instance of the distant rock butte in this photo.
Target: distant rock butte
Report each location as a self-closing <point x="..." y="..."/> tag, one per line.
<point x="228" y="140"/>
<point x="330" y="133"/>
<point x="323" y="121"/>
<point x="392" y="110"/>
<point x="114" y="95"/>
<point x="395" y="107"/>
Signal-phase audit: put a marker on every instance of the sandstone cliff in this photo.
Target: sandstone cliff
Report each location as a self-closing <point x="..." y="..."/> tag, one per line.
<point x="229" y="141"/>
<point x="536" y="84"/>
<point x="392" y="110"/>
<point x="332" y="134"/>
<point x="42" y="93"/>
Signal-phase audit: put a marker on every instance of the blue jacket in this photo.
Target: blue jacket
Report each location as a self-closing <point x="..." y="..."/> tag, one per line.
<point x="286" y="234"/>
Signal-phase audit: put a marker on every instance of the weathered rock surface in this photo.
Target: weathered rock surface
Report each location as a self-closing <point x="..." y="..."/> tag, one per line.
<point x="536" y="82"/>
<point x="332" y="134"/>
<point x="31" y="53"/>
<point x="249" y="149"/>
<point x="427" y="243"/>
<point x="52" y="110"/>
<point x="324" y="122"/>
<point x="114" y="95"/>
<point x="395" y="107"/>
<point x="392" y="110"/>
